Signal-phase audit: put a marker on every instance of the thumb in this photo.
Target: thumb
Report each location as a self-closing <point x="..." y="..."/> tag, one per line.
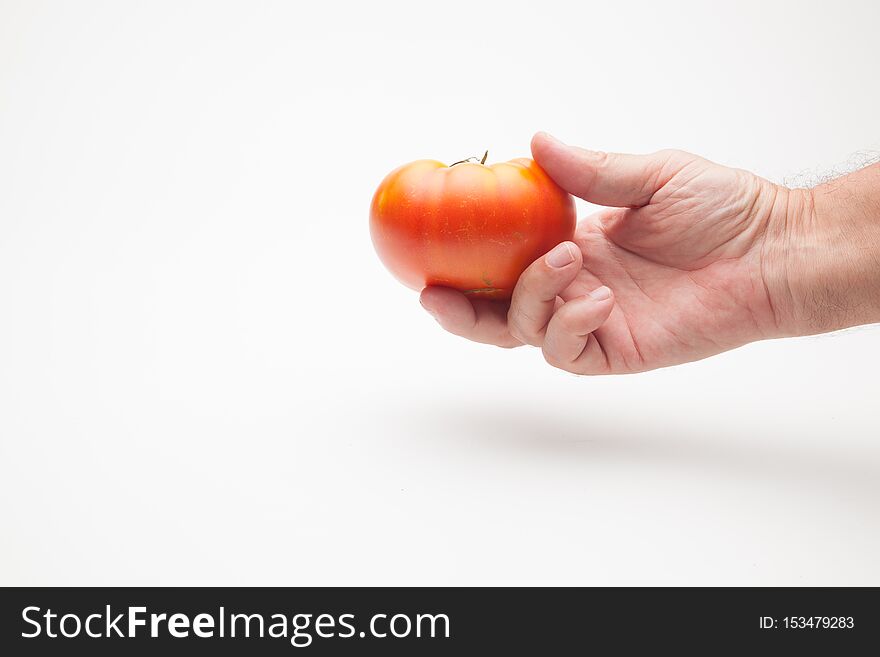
<point x="611" y="179"/>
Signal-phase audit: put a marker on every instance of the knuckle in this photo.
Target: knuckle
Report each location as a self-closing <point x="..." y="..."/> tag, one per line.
<point x="670" y="155"/>
<point x="551" y="358"/>
<point x="516" y="330"/>
<point x="535" y="339"/>
<point x="667" y="153"/>
<point x="672" y="158"/>
<point x="601" y="159"/>
<point x="601" y="162"/>
<point x="525" y="285"/>
<point x="520" y="325"/>
<point x="567" y="323"/>
<point x="554" y="360"/>
<point x="517" y="334"/>
<point x="533" y="281"/>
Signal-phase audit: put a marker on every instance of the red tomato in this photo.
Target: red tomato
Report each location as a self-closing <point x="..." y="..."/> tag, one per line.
<point x="468" y="226"/>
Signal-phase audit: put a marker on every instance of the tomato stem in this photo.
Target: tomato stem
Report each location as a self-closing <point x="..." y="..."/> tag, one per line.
<point x="472" y="159"/>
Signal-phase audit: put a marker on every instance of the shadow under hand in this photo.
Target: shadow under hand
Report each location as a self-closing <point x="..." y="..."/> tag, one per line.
<point x="596" y="436"/>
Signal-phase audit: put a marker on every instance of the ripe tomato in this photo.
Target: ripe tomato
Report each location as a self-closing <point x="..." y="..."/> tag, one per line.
<point x="468" y="226"/>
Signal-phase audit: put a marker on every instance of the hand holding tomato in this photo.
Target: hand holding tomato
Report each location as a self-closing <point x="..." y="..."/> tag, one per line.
<point x="674" y="271"/>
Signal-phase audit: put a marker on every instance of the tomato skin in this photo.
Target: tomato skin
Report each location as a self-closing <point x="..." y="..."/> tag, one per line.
<point x="471" y="227"/>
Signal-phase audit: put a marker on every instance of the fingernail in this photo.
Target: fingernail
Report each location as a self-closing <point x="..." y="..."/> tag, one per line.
<point x="560" y="256"/>
<point x="600" y="293"/>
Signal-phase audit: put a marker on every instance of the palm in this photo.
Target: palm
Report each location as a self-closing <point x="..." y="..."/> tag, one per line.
<point x="682" y="269"/>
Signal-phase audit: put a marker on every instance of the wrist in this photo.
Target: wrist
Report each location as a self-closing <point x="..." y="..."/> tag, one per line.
<point x="822" y="255"/>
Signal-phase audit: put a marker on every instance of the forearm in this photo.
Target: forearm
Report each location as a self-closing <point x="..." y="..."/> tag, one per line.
<point x="822" y="255"/>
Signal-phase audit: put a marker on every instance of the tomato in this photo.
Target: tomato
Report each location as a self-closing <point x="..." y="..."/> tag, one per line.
<point x="468" y="226"/>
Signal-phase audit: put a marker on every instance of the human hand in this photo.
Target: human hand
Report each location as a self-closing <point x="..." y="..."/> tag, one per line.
<point x="674" y="270"/>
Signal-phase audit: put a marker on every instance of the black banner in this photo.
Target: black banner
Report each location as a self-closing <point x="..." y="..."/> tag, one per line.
<point x="435" y="621"/>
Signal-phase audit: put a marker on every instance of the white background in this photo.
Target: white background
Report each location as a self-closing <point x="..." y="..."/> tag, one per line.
<point x="207" y="377"/>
